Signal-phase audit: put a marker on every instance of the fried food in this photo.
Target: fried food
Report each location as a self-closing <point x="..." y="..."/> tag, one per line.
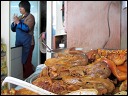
<point x="72" y="87"/>
<point x="92" y="55"/>
<point x="77" y="71"/>
<point x="12" y="91"/>
<point x="103" y="86"/>
<point x="59" y="87"/>
<point x="123" y="67"/>
<point x="22" y="91"/>
<point x="105" y="71"/>
<point x="72" y="80"/>
<point x="84" y="92"/>
<point x="25" y="92"/>
<point x="77" y="58"/>
<point x="121" y="93"/>
<point x="43" y="82"/>
<point x="117" y="58"/>
<point x="123" y="86"/>
<point x="44" y="72"/>
<point x="117" y="73"/>
<point x="98" y="69"/>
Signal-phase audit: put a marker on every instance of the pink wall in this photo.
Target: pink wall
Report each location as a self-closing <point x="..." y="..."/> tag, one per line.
<point x="87" y="27"/>
<point x="124" y="29"/>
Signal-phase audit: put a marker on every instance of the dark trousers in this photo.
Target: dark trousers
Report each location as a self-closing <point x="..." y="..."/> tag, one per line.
<point x="42" y="58"/>
<point x="28" y="66"/>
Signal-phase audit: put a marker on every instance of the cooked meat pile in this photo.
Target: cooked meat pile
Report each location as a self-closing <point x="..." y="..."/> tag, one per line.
<point x="103" y="70"/>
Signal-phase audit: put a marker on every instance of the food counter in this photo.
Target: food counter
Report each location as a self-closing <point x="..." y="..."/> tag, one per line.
<point x="29" y="79"/>
<point x="102" y="71"/>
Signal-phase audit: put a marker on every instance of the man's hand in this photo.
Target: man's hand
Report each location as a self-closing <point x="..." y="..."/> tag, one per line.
<point x="43" y="35"/>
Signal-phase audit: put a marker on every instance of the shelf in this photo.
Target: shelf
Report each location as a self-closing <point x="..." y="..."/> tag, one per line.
<point x="57" y="39"/>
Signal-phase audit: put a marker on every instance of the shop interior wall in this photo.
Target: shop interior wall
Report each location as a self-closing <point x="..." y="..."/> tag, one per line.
<point x="124" y="29"/>
<point x="5" y="28"/>
<point x="88" y="24"/>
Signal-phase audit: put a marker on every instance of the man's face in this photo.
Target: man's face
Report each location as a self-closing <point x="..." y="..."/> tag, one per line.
<point x="22" y="10"/>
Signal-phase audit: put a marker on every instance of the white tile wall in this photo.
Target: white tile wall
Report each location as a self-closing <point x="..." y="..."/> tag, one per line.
<point x="16" y="64"/>
<point x="16" y="53"/>
<point x="16" y="68"/>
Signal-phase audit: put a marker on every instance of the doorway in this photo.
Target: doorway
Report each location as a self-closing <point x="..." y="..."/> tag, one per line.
<point x="35" y="11"/>
<point x="43" y="19"/>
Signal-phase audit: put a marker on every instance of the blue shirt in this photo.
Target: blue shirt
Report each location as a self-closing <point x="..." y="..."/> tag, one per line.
<point x="23" y="38"/>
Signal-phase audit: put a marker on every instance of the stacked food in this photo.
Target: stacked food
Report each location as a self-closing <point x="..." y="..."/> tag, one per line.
<point x="103" y="70"/>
